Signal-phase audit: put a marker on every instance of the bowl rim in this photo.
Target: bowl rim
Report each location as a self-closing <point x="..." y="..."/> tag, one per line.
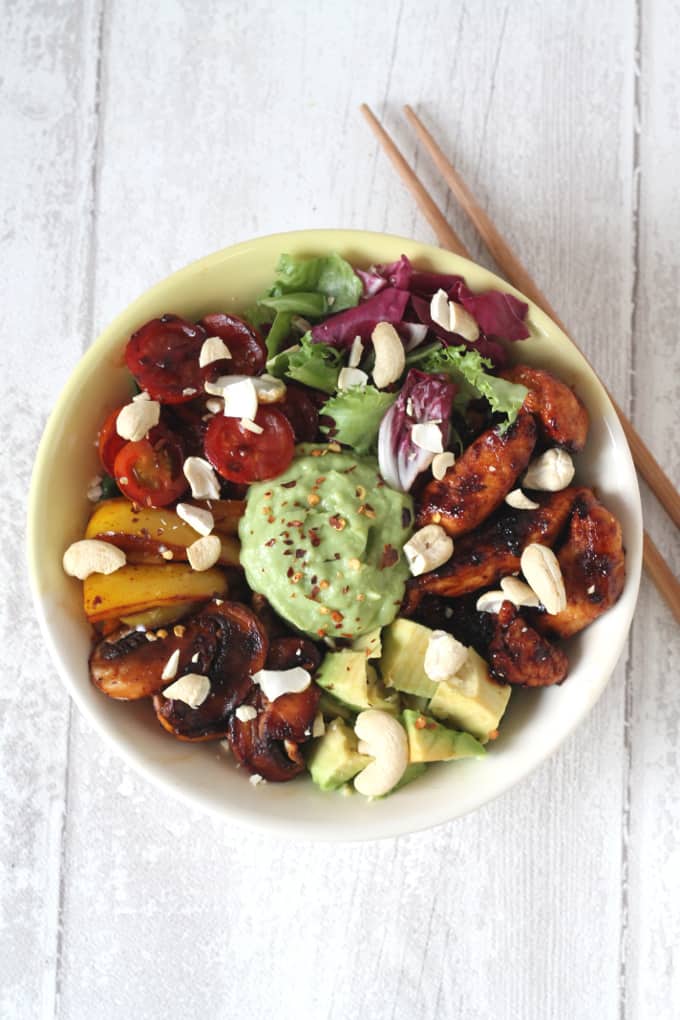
<point x="300" y="830"/>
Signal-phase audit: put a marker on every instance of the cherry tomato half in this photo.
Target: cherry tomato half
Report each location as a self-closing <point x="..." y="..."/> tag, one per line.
<point x="247" y="348"/>
<point x="301" y="412"/>
<point x="109" y="443"/>
<point x="244" y="456"/>
<point x="163" y="357"/>
<point x="149" y="472"/>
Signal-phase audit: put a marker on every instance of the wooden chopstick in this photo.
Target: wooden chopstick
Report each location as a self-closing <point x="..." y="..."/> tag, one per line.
<point x="517" y="274"/>
<point x="655" y="565"/>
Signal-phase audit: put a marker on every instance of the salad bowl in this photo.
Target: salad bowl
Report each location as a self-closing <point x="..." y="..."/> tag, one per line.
<point x="537" y="721"/>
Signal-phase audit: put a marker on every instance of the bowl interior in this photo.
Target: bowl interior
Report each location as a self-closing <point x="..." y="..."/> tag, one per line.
<point x="203" y="774"/>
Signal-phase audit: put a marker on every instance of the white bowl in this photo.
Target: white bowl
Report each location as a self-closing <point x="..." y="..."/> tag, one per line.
<point x="537" y="721"/>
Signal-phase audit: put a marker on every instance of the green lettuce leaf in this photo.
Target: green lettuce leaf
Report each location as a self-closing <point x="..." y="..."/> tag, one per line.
<point x="316" y="365"/>
<point x="468" y="369"/>
<point x="357" y="413"/>
<point x="329" y="275"/>
<point x="301" y="302"/>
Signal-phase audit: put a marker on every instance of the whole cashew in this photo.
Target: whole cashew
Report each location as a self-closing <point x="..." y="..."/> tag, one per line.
<point x="384" y="739"/>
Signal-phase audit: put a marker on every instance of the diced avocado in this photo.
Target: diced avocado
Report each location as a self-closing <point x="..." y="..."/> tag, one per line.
<point x="345" y="676"/>
<point x="428" y="740"/>
<point x="414" y="702"/>
<point x="349" y="679"/>
<point x="402" y="664"/>
<point x="413" y="771"/>
<point x="369" y="644"/>
<point x="330" y="708"/>
<point x="474" y="702"/>
<point x="333" y="758"/>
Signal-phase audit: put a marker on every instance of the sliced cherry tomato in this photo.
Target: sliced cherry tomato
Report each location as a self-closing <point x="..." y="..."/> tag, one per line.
<point x="244" y="456"/>
<point x="163" y="357"/>
<point x="301" y="412"/>
<point x="109" y="443"/>
<point x="247" y="348"/>
<point x="149" y="472"/>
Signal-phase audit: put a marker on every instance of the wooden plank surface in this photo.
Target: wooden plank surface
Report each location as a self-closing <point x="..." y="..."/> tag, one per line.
<point x="204" y="123"/>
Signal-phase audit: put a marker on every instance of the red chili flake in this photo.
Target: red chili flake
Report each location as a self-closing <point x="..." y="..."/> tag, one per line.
<point x="420" y="723"/>
<point x="322" y="631"/>
<point x="337" y="617"/>
<point x="290" y="572"/>
<point x="318" y="453"/>
<point x="314" y="537"/>
<point x="389" y="557"/>
<point x="315" y="591"/>
<point x="367" y="510"/>
<point x="271" y="519"/>
<point x="324" y="584"/>
<point x="431" y="726"/>
<point x="294" y="524"/>
<point x="337" y="522"/>
<point x="321" y="480"/>
<point x="405" y="517"/>
<point x="297" y="577"/>
<point x="315" y="579"/>
<point x="345" y="590"/>
<point x="299" y="553"/>
<point x="349" y="470"/>
<point x="287" y="552"/>
<point x="270" y="543"/>
<point x="288" y="485"/>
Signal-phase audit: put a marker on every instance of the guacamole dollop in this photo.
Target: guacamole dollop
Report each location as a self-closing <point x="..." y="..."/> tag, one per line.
<point x="324" y="543"/>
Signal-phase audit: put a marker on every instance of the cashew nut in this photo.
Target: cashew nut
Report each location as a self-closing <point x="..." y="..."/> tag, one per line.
<point x="351" y="377"/>
<point x="213" y="349"/>
<point x="92" y="556"/>
<point x="356" y="352"/>
<point x="204" y="552"/>
<point x="542" y="571"/>
<point x="384" y="739"/>
<point x="441" y="464"/>
<point x="444" y="656"/>
<point x="453" y="317"/>
<point x="192" y="689"/>
<point x="427" y="549"/>
<point x="390" y="359"/>
<point x="519" y="593"/>
<point x="277" y="682"/>
<point x="135" y="419"/>
<point x="491" y="602"/>
<point x="551" y="472"/>
<point x="520" y="501"/>
<point x="201" y="478"/>
<point x="196" y="517"/>
<point x="427" y="436"/>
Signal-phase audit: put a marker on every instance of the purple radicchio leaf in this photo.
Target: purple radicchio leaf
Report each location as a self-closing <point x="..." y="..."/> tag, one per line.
<point x="424" y="398"/>
<point x="339" y="330"/>
<point x="498" y="315"/>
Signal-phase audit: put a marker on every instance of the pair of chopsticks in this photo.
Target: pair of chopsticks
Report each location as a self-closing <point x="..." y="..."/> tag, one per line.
<point x="645" y="462"/>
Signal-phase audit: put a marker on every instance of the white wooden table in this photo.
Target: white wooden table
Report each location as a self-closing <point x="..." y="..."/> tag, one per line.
<point x="138" y="136"/>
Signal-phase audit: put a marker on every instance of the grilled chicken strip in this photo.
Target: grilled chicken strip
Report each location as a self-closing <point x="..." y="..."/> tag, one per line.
<point x="561" y="415"/>
<point x="593" y="566"/>
<point x="479" y="480"/>
<point x="519" y="655"/>
<point x="481" y="559"/>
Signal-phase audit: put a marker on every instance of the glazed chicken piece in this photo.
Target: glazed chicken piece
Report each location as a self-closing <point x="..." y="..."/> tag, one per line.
<point x="479" y="480"/>
<point x="519" y="655"/>
<point x="593" y="566"/>
<point x="481" y="559"/>
<point x="561" y="416"/>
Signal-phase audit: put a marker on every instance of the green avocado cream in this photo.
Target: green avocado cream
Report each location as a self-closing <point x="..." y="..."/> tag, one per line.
<point x="323" y="542"/>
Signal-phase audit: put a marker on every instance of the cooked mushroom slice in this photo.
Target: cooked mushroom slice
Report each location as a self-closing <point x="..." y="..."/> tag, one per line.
<point x="479" y="480"/>
<point x="561" y="415"/>
<point x="519" y="655"/>
<point x="228" y="645"/>
<point x="127" y="664"/>
<point x="289" y="652"/>
<point x="481" y="559"/>
<point x="268" y="745"/>
<point x="593" y="567"/>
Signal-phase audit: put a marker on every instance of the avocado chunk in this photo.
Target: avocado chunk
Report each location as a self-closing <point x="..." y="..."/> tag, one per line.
<point x="413" y="771"/>
<point x="333" y="758"/>
<point x="369" y="644"/>
<point x="428" y="740"/>
<point x="348" y="678"/>
<point x="473" y="701"/>
<point x="402" y="664"/>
